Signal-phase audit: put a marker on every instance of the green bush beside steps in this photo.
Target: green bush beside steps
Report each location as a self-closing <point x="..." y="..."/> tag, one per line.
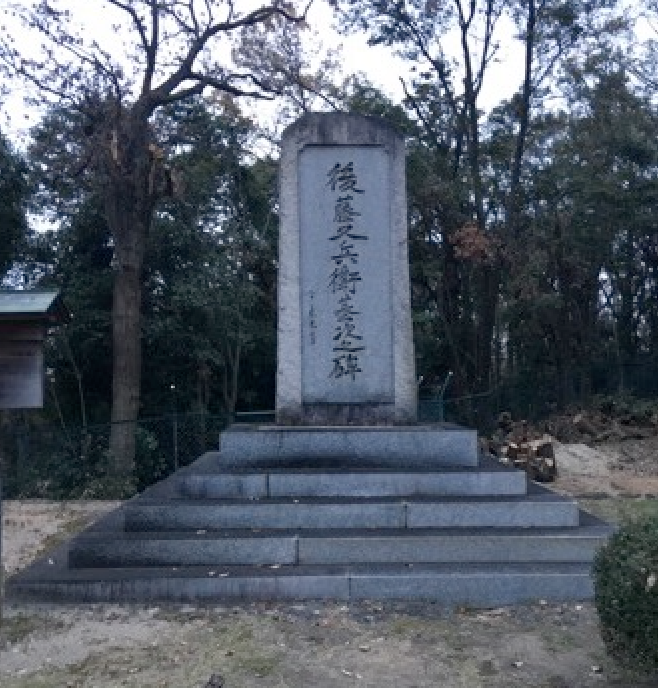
<point x="626" y="594"/>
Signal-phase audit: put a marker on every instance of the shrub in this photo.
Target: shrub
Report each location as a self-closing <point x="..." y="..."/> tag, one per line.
<point x="626" y="594"/>
<point x="150" y="463"/>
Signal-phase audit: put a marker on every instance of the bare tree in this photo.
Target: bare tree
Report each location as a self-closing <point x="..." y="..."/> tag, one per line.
<point x="169" y="50"/>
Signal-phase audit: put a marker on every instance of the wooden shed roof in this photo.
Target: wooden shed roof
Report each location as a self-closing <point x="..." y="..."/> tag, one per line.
<point x="34" y="304"/>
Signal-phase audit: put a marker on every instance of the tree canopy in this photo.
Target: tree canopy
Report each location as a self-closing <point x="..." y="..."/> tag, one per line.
<point x="175" y="51"/>
<point x="13" y="199"/>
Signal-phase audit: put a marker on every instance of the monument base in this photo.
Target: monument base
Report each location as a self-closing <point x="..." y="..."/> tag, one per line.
<point x="477" y="537"/>
<point x="414" y="446"/>
<point x="340" y="415"/>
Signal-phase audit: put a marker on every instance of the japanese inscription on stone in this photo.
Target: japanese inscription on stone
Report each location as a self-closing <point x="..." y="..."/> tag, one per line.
<point x="345" y="267"/>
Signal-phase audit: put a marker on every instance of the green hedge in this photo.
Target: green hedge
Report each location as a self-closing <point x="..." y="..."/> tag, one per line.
<point x="626" y="594"/>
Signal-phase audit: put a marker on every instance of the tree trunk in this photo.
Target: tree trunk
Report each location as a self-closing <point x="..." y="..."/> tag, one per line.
<point x="126" y="341"/>
<point x="129" y="203"/>
<point x="126" y="323"/>
<point x="231" y="375"/>
<point x="486" y="325"/>
<point x="513" y="208"/>
<point x="448" y="298"/>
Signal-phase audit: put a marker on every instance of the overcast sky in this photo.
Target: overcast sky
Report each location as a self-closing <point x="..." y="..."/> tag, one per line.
<point x="379" y="63"/>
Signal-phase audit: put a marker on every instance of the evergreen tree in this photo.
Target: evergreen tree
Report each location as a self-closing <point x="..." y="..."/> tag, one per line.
<point x="13" y="198"/>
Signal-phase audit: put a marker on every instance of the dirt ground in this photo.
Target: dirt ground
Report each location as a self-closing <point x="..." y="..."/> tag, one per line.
<point x="410" y="645"/>
<point x="614" y="469"/>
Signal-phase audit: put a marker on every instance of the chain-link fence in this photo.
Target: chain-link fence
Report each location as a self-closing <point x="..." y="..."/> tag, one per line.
<point x="38" y="459"/>
<point x="54" y="461"/>
<point x="536" y="395"/>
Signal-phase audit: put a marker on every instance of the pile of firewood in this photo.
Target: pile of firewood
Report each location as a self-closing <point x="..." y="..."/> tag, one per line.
<point x="516" y="444"/>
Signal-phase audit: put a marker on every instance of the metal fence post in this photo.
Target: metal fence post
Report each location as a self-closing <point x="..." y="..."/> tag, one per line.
<point x="174" y="429"/>
<point x="442" y="391"/>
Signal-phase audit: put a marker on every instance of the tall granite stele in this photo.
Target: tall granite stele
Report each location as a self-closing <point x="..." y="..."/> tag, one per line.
<point x="345" y="387"/>
<point x="345" y="347"/>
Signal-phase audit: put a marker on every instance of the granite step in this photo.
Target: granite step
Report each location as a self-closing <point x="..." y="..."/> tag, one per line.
<point x="432" y="444"/>
<point x="450" y="481"/>
<point x="455" y="535"/>
<point x="464" y="584"/>
<point x="335" y="547"/>
<point x="541" y="510"/>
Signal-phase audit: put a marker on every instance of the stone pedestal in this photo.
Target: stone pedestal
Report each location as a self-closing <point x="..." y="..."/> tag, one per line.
<point x="415" y="446"/>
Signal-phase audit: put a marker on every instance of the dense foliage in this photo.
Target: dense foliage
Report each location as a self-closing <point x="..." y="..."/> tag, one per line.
<point x="626" y="594"/>
<point x="175" y="52"/>
<point x="13" y="196"/>
<point x="533" y="226"/>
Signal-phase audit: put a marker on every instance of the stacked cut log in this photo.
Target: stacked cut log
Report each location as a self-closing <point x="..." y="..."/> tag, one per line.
<point x="513" y="444"/>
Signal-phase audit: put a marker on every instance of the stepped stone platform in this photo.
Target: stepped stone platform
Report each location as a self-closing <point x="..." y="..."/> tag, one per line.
<point x="350" y="522"/>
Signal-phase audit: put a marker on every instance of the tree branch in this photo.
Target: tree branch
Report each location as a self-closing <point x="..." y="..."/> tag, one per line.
<point x="419" y="113"/>
<point x="137" y="22"/>
<point x="488" y="34"/>
<point x="437" y="64"/>
<point x="152" y="50"/>
<point x="163" y="92"/>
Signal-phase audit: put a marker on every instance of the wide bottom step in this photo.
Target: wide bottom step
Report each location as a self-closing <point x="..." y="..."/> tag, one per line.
<point x="453" y="585"/>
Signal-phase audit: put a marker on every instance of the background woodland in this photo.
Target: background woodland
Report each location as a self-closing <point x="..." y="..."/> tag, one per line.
<point x="533" y="225"/>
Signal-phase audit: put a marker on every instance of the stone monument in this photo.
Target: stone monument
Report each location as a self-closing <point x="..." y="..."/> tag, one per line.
<point x="345" y="386"/>
<point x="346" y="496"/>
<point x="345" y="347"/>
